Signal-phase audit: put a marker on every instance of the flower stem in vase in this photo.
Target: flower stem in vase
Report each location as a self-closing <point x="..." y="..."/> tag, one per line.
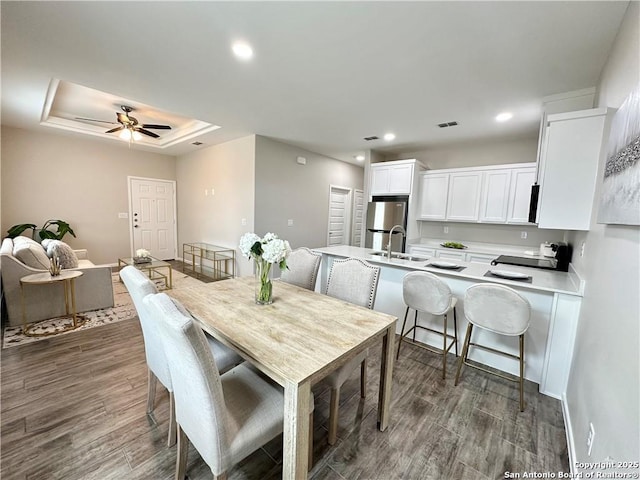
<point x="264" y="287"/>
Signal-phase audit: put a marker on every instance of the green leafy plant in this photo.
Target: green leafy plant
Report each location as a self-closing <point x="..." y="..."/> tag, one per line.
<point x="61" y="229"/>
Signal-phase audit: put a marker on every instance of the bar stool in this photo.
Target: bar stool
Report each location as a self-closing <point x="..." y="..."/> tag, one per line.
<point x="501" y="310"/>
<point x="425" y="292"/>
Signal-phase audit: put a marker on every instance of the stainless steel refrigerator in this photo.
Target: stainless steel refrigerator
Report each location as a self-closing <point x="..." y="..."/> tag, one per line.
<point x="382" y="214"/>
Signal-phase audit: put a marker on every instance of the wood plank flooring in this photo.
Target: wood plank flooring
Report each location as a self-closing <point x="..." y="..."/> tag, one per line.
<point x="73" y="407"/>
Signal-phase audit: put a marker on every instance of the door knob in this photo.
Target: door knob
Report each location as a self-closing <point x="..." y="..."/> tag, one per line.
<point x="136" y="226"/>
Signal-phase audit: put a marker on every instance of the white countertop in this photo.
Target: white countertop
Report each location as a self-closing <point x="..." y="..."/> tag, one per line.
<point x="542" y="280"/>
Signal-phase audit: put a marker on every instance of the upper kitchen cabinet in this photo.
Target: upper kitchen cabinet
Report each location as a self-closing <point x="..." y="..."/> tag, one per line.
<point x="434" y="188"/>
<point x="463" y="203"/>
<point x="492" y="194"/>
<point x="569" y="161"/>
<point x="392" y="178"/>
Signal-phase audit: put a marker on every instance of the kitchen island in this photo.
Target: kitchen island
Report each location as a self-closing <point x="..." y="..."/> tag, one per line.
<point x="555" y="299"/>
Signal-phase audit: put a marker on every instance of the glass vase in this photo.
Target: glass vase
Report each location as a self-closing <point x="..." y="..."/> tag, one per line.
<point x="264" y="285"/>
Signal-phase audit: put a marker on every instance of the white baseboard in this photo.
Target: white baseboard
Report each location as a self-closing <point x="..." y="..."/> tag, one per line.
<point x="571" y="446"/>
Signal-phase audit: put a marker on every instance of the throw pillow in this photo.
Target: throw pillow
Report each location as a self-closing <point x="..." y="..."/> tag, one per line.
<point x="31" y="255"/>
<point x="65" y="254"/>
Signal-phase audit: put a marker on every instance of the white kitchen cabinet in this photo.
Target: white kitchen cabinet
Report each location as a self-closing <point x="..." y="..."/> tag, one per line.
<point x="570" y="157"/>
<point x="463" y="202"/>
<point x="422" y="251"/>
<point x="391" y="178"/>
<point x="494" y="203"/>
<point x="434" y="190"/>
<point x="483" y="258"/>
<point x="520" y="194"/>
<point x="450" y="255"/>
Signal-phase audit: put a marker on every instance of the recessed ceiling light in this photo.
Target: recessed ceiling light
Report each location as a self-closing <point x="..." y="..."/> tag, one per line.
<point x="242" y="50"/>
<point x="359" y="158"/>
<point x="504" y="116"/>
<point x="389" y="136"/>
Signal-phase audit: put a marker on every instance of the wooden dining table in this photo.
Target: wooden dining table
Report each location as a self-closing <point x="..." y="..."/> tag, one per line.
<point x="297" y="340"/>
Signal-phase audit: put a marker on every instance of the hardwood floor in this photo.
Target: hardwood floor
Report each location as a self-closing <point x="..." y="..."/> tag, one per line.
<point x="73" y="407"/>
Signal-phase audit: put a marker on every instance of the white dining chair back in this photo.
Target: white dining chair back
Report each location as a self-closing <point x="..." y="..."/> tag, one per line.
<point x="302" y="268"/>
<point x="354" y="281"/>
<point x="226" y="417"/>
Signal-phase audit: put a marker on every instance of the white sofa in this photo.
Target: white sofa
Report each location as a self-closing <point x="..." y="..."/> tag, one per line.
<point x="94" y="289"/>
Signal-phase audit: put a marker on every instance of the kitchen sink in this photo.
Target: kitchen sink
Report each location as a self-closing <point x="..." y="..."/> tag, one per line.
<point x="401" y="256"/>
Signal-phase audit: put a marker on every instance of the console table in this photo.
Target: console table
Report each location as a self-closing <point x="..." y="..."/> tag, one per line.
<point x="211" y="261"/>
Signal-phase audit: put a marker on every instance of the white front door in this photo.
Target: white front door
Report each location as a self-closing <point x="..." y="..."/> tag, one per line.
<point x="339" y="216"/>
<point x="358" y="218"/>
<point x="153" y="216"/>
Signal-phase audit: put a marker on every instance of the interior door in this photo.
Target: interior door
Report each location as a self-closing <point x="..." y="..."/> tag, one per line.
<point x="339" y="216"/>
<point x="153" y="216"/>
<point x="358" y="218"/>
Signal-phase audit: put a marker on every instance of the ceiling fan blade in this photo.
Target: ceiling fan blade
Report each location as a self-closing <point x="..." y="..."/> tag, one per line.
<point x="146" y="132"/>
<point x="160" y="127"/>
<point x="94" y="120"/>
<point x="117" y="129"/>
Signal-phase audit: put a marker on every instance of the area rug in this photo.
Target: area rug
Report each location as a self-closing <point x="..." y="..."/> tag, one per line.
<point x="123" y="309"/>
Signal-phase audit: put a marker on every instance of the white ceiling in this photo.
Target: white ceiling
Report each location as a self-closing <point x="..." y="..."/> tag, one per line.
<point x="324" y="74"/>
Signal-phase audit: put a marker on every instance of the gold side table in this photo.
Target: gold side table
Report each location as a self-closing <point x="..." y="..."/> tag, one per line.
<point x="67" y="278"/>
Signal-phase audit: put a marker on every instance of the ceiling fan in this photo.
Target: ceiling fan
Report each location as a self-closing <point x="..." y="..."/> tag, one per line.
<point x="129" y="125"/>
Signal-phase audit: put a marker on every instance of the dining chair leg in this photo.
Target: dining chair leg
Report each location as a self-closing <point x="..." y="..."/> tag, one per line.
<point x="171" y="440"/>
<point x="333" y="416"/>
<point x="181" y="455"/>
<point x="152" y="382"/>
<point x="310" y="460"/>
<point x="444" y="348"/>
<point x="522" y="372"/>
<point x="402" y="332"/>
<point x="363" y="378"/>
<point x="465" y="350"/>
<point x="415" y="325"/>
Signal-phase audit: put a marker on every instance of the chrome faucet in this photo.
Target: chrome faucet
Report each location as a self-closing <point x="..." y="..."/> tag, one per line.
<point x="400" y="228"/>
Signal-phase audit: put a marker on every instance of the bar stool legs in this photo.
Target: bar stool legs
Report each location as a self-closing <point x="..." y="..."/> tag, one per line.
<point x="445" y="336"/>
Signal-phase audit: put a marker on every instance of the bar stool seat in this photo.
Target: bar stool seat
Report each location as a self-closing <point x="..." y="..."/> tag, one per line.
<point x="425" y="292"/>
<point x="501" y="310"/>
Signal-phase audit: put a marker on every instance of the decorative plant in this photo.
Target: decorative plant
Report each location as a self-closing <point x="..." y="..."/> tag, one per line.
<point x="62" y="228"/>
<point x="265" y="252"/>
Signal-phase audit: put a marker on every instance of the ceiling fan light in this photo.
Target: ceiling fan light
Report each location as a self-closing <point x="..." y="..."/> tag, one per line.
<point x="137" y="136"/>
<point x="125" y="134"/>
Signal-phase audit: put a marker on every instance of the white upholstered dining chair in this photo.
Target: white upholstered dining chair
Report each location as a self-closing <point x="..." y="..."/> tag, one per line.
<point x="354" y="281"/>
<point x="139" y="286"/>
<point x="302" y="268"/>
<point x="226" y="416"/>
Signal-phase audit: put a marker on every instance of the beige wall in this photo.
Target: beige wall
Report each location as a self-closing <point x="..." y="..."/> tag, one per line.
<point x="477" y="153"/>
<point x="286" y="190"/>
<point x="228" y="169"/>
<point x="83" y="182"/>
<point x="605" y="375"/>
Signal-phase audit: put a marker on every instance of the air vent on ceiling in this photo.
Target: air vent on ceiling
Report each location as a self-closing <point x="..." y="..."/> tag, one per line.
<point x="447" y="124"/>
<point x="371" y="138"/>
<point x="197" y="144"/>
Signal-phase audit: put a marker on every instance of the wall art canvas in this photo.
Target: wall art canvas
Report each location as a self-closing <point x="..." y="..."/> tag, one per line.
<point x="620" y="200"/>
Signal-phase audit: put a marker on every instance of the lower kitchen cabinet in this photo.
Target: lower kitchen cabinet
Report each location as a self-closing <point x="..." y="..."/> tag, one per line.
<point x="480" y="258"/>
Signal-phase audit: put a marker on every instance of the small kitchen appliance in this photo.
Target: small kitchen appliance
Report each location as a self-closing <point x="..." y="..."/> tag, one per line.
<point x="560" y="261"/>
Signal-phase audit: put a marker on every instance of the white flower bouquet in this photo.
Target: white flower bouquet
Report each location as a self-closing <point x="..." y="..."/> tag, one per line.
<point x="265" y="252"/>
<point x="142" y="256"/>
